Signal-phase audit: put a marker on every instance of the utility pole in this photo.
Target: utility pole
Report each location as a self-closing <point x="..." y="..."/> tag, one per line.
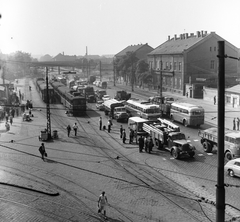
<point x="220" y="189"/>
<point x="132" y="80"/>
<point x="160" y="90"/>
<point x="48" y="109"/>
<point x="114" y="74"/>
<point x="100" y="70"/>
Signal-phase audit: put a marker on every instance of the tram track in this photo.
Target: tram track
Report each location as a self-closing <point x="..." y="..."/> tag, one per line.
<point x="142" y="175"/>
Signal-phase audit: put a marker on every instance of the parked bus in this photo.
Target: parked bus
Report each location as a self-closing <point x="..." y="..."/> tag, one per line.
<point x="187" y="114"/>
<point x="142" y="109"/>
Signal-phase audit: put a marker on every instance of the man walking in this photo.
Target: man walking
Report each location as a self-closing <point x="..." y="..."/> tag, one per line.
<point x="42" y="151"/>
<point x="214" y="100"/>
<point x="100" y="123"/>
<point x="102" y="202"/>
<point x="75" y="127"/>
<point x="238" y="122"/>
<point x="69" y="130"/>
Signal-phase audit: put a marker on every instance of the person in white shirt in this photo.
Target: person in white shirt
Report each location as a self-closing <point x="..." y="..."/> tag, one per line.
<point x="102" y="202"/>
<point x="75" y="127"/>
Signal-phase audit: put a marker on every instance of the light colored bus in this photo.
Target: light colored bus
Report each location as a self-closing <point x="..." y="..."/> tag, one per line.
<point x="187" y="114"/>
<point x="142" y="109"/>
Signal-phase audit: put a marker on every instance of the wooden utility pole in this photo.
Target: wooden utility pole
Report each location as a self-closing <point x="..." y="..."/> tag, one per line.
<point x="114" y="73"/>
<point x="48" y="108"/>
<point x="132" y="80"/>
<point x="220" y="189"/>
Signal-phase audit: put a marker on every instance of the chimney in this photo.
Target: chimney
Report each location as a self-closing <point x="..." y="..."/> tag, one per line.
<point x="63" y="53"/>
<point x="186" y="35"/>
<point x="205" y="33"/>
<point x="202" y="33"/>
<point x="168" y="37"/>
<point x="175" y="37"/>
<point x="192" y="34"/>
<point x="198" y="34"/>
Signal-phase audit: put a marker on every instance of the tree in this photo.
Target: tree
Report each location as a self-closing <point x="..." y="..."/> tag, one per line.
<point x="18" y="65"/>
<point x="142" y="70"/>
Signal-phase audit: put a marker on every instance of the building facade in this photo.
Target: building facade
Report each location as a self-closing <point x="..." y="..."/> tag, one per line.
<point x="192" y="60"/>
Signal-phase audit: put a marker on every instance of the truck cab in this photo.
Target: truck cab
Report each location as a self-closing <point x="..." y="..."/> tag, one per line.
<point x="178" y="145"/>
<point x="120" y="114"/>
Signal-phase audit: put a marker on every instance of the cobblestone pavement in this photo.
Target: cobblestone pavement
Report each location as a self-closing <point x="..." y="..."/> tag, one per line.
<point x="65" y="187"/>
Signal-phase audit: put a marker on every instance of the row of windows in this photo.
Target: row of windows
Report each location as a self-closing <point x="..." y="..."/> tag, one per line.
<point x="176" y="66"/>
<point x="181" y="110"/>
<point x="148" y="110"/>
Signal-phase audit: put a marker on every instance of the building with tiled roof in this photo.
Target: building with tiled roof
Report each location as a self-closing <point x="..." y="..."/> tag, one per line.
<point x="64" y="58"/>
<point x="141" y="51"/>
<point x="189" y="61"/>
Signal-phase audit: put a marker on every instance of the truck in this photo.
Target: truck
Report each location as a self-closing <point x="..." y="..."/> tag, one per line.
<point x="122" y="95"/>
<point x="209" y="140"/>
<point x="110" y="105"/>
<point x="120" y="114"/>
<point x="136" y="124"/>
<point x="169" y="139"/>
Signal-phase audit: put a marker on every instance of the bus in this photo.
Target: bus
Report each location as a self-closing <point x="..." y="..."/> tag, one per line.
<point x="143" y="109"/>
<point x="187" y="114"/>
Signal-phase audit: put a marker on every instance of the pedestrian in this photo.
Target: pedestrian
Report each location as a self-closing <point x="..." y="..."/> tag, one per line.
<point x="140" y="143"/>
<point x="214" y="100"/>
<point x="100" y="123"/>
<point x="131" y="134"/>
<point x="146" y="144"/>
<point x="121" y="131"/>
<point x="7" y="126"/>
<point x="238" y="122"/>
<point x="124" y="136"/>
<point x="75" y="127"/>
<point x="186" y="94"/>
<point x="109" y="126"/>
<point x="11" y="120"/>
<point x="102" y="203"/>
<point x="234" y="124"/>
<point x="6" y="116"/>
<point x="69" y="130"/>
<point x="13" y="113"/>
<point x="42" y="150"/>
<point x="150" y="145"/>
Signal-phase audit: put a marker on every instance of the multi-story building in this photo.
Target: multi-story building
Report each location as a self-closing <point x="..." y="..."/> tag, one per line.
<point x="188" y="62"/>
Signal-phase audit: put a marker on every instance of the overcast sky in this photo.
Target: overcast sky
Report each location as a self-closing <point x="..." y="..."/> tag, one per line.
<point x="106" y="27"/>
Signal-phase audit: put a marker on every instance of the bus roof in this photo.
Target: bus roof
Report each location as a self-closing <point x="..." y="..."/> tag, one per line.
<point x="142" y="105"/>
<point x="186" y="105"/>
<point x="138" y="119"/>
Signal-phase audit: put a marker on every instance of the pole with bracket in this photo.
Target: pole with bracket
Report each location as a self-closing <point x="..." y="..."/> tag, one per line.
<point x="48" y="108"/>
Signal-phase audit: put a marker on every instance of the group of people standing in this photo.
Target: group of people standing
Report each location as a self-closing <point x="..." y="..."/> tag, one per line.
<point x="109" y="124"/>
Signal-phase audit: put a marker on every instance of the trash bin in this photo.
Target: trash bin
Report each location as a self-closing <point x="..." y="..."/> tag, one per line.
<point x="55" y="134"/>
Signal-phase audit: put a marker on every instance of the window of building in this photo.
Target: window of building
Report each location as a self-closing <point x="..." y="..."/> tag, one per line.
<point x="166" y="65"/>
<point x="210" y="49"/>
<point x="175" y="66"/>
<point x="170" y="65"/>
<point x="180" y="66"/>
<point x="180" y="83"/>
<point x="212" y="64"/>
<point x="164" y="81"/>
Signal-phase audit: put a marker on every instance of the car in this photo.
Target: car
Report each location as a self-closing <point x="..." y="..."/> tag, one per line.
<point x="232" y="167"/>
<point x="99" y="105"/>
<point x="106" y="97"/>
